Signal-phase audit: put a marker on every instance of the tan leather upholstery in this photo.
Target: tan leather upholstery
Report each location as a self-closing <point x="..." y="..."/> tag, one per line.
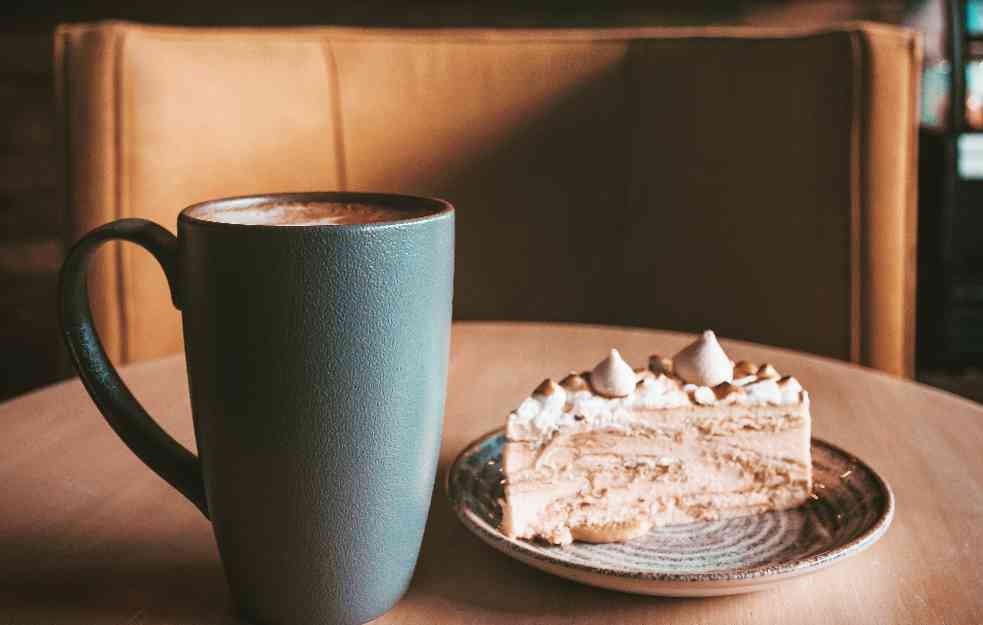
<point x="757" y="182"/>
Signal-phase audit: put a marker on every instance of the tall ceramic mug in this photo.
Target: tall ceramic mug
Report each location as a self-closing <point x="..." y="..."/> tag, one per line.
<point x="316" y="329"/>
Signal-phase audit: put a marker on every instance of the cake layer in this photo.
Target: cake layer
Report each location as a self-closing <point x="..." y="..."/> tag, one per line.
<point x="561" y="511"/>
<point x="691" y="466"/>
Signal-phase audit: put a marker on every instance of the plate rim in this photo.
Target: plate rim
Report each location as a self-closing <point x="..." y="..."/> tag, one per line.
<point x="761" y="573"/>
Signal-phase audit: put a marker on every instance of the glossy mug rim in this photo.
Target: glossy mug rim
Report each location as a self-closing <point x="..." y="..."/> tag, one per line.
<point x="442" y="209"/>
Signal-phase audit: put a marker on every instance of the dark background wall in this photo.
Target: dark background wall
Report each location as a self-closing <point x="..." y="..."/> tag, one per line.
<point x="31" y="248"/>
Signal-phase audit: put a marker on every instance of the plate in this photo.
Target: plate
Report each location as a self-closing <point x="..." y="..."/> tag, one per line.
<point x="851" y="509"/>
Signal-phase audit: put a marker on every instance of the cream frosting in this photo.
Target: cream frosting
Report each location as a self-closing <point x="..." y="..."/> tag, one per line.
<point x="539" y="415"/>
<point x="553" y="406"/>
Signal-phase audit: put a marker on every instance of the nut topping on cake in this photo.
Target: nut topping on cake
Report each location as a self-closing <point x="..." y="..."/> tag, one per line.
<point x="725" y="389"/>
<point x="789" y="380"/>
<point x="546" y="388"/>
<point x="660" y="364"/>
<point x="613" y="377"/>
<point x="548" y="398"/>
<point x="703" y="362"/>
<point x="744" y="368"/>
<point x="574" y="382"/>
<point x="768" y="372"/>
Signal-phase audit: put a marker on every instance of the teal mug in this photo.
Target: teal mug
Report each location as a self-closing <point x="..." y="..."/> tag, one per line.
<point x="317" y="353"/>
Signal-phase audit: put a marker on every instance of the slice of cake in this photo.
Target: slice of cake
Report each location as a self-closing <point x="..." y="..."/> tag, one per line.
<point x="605" y="455"/>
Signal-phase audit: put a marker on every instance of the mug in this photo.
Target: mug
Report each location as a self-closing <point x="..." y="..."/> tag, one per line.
<point x="317" y="363"/>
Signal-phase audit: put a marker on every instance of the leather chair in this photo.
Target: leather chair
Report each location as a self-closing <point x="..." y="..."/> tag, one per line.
<point x="757" y="182"/>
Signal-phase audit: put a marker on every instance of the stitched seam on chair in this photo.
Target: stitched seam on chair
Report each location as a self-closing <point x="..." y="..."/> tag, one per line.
<point x="62" y="54"/>
<point x="632" y="94"/>
<point x="63" y="51"/>
<point x="118" y="36"/>
<point x="910" y="245"/>
<point x="855" y="267"/>
<point x="337" y="119"/>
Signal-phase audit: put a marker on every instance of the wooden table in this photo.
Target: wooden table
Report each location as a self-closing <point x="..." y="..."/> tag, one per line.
<point x="89" y="535"/>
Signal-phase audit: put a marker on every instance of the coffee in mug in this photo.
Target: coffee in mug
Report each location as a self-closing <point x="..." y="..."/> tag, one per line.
<point x="305" y="214"/>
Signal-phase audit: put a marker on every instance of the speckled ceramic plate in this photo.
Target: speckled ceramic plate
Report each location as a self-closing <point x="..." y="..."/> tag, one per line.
<point x="852" y="510"/>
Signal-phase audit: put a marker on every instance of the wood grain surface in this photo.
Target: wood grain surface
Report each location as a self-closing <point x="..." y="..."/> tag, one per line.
<point x="89" y="535"/>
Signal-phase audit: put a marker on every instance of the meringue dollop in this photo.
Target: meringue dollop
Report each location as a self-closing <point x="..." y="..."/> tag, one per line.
<point x="613" y="377"/>
<point x="703" y="362"/>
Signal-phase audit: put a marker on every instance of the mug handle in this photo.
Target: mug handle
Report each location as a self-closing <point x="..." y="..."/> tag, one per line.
<point x="155" y="447"/>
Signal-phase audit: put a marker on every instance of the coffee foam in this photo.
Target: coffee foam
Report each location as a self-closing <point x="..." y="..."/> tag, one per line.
<point x="307" y="214"/>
